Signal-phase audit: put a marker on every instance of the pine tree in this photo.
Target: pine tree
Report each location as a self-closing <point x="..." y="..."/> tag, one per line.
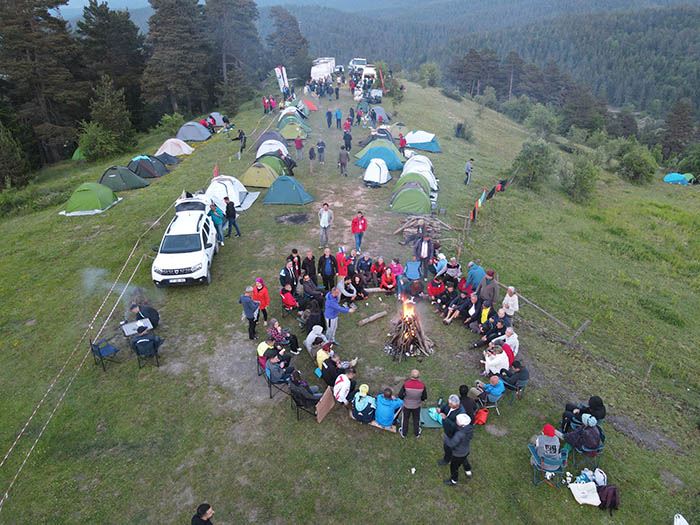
<point x="514" y="66"/>
<point x="287" y="45"/>
<point x="176" y="72"/>
<point x="234" y="35"/>
<point x="108" y="108"/>
<point x="13" y="165"/>
<point x="38" y="59"/>
<point x="679" y="128"/>
<point x="110" y="44"/>
<point x="582" y="109"/>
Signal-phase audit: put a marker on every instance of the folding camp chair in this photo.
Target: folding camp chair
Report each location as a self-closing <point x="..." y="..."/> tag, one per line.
<point x="299" y="403"/>
<point x="585" y="455"/>
<point x="547" y="469"/>
<point x="146" y="348"/>
<point x="516" y="391"/>
<point x="277" y="385"/>
<point x="103" y="351"/>
<point x="491" y="403"/>
<point x="260" y="364"/>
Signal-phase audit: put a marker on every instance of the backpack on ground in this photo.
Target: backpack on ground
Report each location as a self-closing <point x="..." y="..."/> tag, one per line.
<point x="481" y="416"/>
<point x="609" y="498"/>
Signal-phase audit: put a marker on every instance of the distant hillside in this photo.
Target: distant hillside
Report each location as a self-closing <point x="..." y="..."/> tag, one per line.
<point x="649" y="58"/>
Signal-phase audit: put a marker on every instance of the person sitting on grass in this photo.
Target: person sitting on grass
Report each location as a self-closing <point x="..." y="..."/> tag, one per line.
<point x="387" y="408"/>
<point x="495" y="360"/>
<point x="309" y="393"/>
<point x="358" y="282"/>
<point x="283" y="337"/>
<point x="344" y="387"/>
<point x="492" y="333"/>
<point x="547" y="446"/>
<point x="279" y="371"/>
<point x="348" y="293"/>
<point x="473" y="310"/>
<point x="444" y="299"/>
<point x="439" y="264"/>
<point x="458" y="306"/>
<point x="388" y="282"/>
<point x="452" y="271"/>
<point x="396" y="267"/>
<point x="586" y="436"/>
<point x="477" y="325"/>
<point x="363" y="405"/>
<point x="377" y="270"/>
<point x="490" y="392"/>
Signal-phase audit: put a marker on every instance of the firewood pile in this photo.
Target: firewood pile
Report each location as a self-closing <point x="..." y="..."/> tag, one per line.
<point x="415" y="227"/>
<point x="408" y="338"/>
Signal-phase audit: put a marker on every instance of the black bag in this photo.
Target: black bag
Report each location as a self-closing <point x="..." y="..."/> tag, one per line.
<point x="609" y="498"/>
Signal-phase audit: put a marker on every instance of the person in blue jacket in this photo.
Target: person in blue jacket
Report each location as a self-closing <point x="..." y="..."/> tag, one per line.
<point x="387" y="407"/>
<point x="338" y="118"/>
<point x="331" y="311"/>
<point x="474" y="275"/>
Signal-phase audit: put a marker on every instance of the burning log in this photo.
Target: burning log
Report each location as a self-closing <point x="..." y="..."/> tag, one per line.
<point x="408" y="338"/>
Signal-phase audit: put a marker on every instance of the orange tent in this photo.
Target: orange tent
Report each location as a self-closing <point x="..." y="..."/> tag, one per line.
<point x="310" y="105"/>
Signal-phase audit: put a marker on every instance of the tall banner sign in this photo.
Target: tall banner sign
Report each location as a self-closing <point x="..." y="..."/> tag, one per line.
<point x="281" y="74"/>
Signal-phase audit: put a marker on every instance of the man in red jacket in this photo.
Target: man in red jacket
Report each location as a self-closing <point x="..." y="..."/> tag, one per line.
<point x="413" y="393"/>
<point x="359" y="226"/>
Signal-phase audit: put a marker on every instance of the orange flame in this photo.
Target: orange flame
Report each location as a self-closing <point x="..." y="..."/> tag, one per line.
<point x="409" y="309"/>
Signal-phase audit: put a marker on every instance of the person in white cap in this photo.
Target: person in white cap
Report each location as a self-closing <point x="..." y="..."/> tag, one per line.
<point x="458" y="447"/>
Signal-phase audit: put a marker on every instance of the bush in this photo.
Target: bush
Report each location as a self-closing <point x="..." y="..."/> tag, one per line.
<point x="578" y="179"/>
<point x="517" y="108"/>
<point x="464" y="130"/>
<point x="454" y="95"/>
<point x="637" y="165"/>
<point x="690" y="161"/>
<point x="541" y="120"/>
<point x="429" y="74"/>
<point x="13" y="164"/>
<point x="170" y="124"/>
<point x="488" y="99"/>
<point x="96" y="142"/>
<point x="534" y="164"/>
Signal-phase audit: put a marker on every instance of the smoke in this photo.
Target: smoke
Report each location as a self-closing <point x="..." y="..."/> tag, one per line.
<point x="97" y="281"/>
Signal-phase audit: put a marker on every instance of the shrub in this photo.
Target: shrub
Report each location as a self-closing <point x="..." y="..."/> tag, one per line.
<point x="96" y="142"/>
<point x="541" y="120"/>
<point x="454" y="95"/>
<point x="170" y="124"/>
<point x="517" y="108"/>
<point x="534" y="164"/>
<point x="637" y="165"/>
<point x="578" y="179"/>
<point x="488" y="99"/>
<point x="429" y="74"/>
<point x="690" y="162"/>
<point x="13" y="164"/>
<point x="464" y="130"/>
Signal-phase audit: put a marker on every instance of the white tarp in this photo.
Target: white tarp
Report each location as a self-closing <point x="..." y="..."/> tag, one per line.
<point x="271" y="146"/>
<point x="175" y="147"/>
<point x="377" y="172"/>
<point x="419" y="137"/>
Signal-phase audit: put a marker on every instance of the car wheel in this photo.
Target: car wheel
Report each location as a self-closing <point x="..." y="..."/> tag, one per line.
<point x="158" y="284"/>
<point x="217" y="247"/>
<point x="208" y="281"/>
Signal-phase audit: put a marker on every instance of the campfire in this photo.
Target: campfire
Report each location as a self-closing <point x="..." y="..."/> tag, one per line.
<point x="408" y="339"/>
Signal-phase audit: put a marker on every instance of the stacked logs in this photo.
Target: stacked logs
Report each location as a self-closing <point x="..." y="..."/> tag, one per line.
<point x="415" y="227"/>
<point x="408" y="338"/>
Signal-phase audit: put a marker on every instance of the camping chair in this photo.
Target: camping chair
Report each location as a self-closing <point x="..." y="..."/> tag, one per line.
<point x="145" y="348"/>
<point x="585" y="454"/>
<point x="103" y="351"/>
<point x="491" y="402"/>
<point x="516" y="391"/>
<point x="260" y="362"/>
<point x="541" y="467"/>
<point x="300" y="403"/>
<point x="277" y="385"/>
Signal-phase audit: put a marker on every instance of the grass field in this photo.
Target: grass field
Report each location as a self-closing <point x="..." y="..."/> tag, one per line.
<point x="147" y="446"/>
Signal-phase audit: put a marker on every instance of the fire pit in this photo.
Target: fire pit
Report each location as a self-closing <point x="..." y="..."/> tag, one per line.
<point x="407" y="338"/>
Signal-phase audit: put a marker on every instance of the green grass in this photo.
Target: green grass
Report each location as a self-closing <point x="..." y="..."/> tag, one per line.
<point x="149" y="445"/>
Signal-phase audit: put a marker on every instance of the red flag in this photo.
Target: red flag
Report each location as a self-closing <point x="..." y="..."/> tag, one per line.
<point x="216" y="170"/>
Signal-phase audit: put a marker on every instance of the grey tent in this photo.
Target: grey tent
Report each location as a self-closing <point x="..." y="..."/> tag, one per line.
<point x="159" y="165"/>
<point x="143" y="168"/>
<point x="269" y="135"/>
<point x="120" y="178"/>
<point x="381" y="113"/>
<point x="193" y="132"/>
<point x="167" y="159"/>
<point x="218" y="119"/>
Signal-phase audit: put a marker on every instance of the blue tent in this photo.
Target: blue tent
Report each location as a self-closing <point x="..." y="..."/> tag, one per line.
<point x="433" y="146"/>
<point x="684" y="179"/>
<point x="393" y="162"/>
<point x="287" y="190"/>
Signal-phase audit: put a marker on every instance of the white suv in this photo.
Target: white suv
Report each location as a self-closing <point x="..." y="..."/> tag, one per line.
<point x="187" y="248"/>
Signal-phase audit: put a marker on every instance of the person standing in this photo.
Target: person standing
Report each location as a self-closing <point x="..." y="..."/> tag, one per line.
<point x="468" y="171"/>
<point x="312" y="158"/>
<point x="423" y="252"/>
<point x="308" y="266"/>
<point x="266" y="105"/>
<point x="352" y="115"/>
<point x="231" y="217"/>
<point x="329" y="118"/>
<point x="347" y="139"/>
<point x="325" y="221"/>
<point x="359" y="227"/>
<point x="402" y="144"/>
<point x="203" y="515"/>
<point x="262" y="296"/>
<point x="321" y="149"/>
<point x="358" y="117"/>
<point x="413" y="392"/>
<point x="332" y="310"/>
<point x="299" y="147"/>
<point x="328" y="268"/>
<point x="217" y="217"/>
<point x="338" y="118"/>
<point x="243" y="138"/>
<point x="337" y="92"/>
<point x="459" y="445"/>
<point x="250" y="310"/>
<point x="343" y="159"/>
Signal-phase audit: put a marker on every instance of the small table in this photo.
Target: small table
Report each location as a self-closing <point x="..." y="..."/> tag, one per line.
<point x="129" y="329"/>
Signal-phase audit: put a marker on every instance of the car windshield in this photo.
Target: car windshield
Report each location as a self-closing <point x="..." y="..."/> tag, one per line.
<point x="181" y="243"/>
<point x="191" y="206"/>
<point x="360" y="61"/>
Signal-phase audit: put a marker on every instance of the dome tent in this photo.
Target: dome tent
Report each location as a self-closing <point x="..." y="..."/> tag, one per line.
<point x="376" y="143"/>
<point x="683" y="179"/>
<point x="410" y="199"/>
<point x="143" y="168"/>
<point x="218" y="119"/>
<point x="226" y="186"/>
<point x="275" y="163"/>
<point x="287" y="190"/>
<point x="423" y="140"/>
<point x="271" y="146"/>
<point x="423" y="172"/>
<point x="376" y="173"/>
<point x="269" y="135"/>
<point x="121" y="178"/>
<point x="259" y="175"/>
<point x="90" y="198"/>
<point x="167" y="159"/>
<point x="193" y="132"/>
<point x="393" y="161"/>
<point x="175" y="147"/>
<point x="156" y="163"/>
<point x="78" y="155"/>
<point x="381" y="112"/>
<point x="418" y="160"/>
<point x="413" y="178"/>
<point x="291" y="131"/>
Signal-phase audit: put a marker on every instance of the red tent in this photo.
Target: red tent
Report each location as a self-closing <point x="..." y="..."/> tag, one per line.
<point x="310" y="105"/>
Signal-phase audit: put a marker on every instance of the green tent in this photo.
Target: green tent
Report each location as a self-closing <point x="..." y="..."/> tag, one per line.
<point x="274" y="162"/>
<point x="416" y="178"/>
<point x="378" y="143"/>
<point x="78" y="155"/>
<point x="287" y="190"/>
<point x="259" y="175"/>
<point x="294" y="120"/>
<point x="89" y="199"/>
<point x="120" y="178"/>
<point x="410" y="198"/>
<point x="292" y="131"/>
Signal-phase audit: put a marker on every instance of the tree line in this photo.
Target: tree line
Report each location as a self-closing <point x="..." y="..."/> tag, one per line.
<point x="104" y="80"/>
